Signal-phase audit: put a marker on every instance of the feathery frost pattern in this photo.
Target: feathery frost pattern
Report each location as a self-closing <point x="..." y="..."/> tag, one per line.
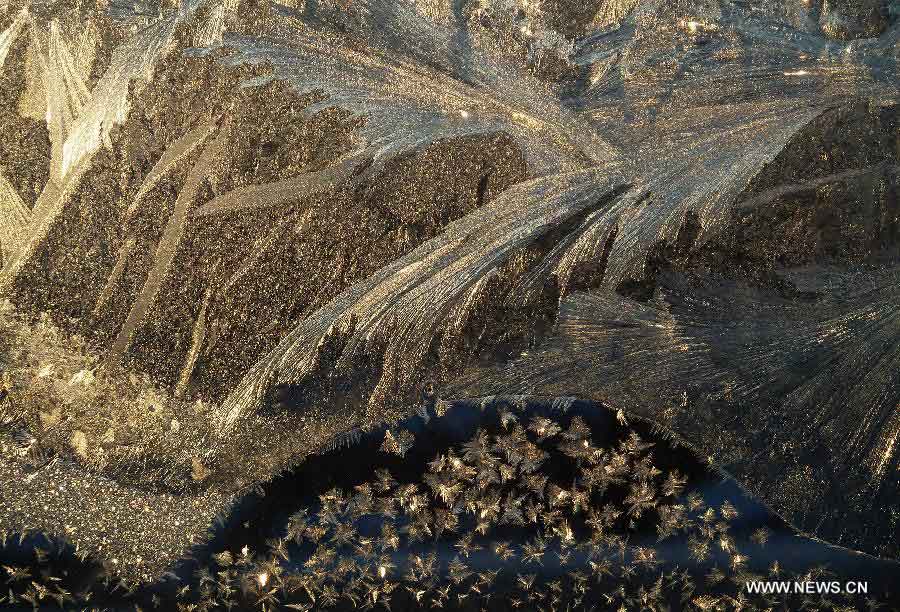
<point x="79" y="121"/>
<point x="413" y="296"/>
<point x="109" y="105"/>
<point x="67" y="93"/>
<point x="415" y="84"/>
<point x="823" y="374"/>
<point x="647" y="121"/>
<point x="688" y="141"/>
<point x="704" y="134"/>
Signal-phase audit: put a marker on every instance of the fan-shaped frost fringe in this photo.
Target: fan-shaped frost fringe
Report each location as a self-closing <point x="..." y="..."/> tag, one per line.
<point x="65" y="89"/>
<point x="701" y="169"/>
<point x="109" y="103"/>
<point x="408" y="300"/>
<point x="831" y="368"/>
<point x="414" y="85"/>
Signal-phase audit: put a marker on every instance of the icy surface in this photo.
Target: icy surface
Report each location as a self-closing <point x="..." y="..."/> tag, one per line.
<point x="79" y="121"/>
<point x="802" y="393"/>
<point x="414" y="87"/>
<point x="656" y="114"/>
<point x="694" y="99"/>
<point x="418" y="293"/>
<point x="693" y="121"/>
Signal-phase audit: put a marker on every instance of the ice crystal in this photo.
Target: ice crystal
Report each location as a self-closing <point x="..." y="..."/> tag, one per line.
<point x="806" y="374"/>
<point x="652" y="131"/>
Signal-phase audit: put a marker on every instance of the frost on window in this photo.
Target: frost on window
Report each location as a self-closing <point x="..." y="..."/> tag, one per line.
<point x="767" y="387"/>
<point x="270" y="226"/>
